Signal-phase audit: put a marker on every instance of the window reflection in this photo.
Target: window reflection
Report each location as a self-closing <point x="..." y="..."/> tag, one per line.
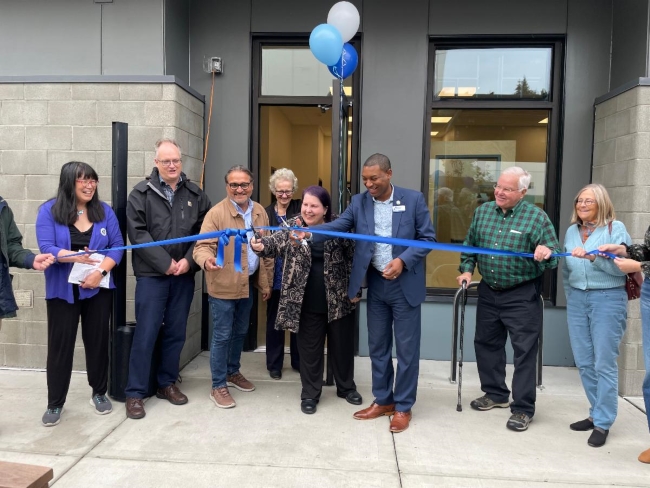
<point x="469" y="151"/>
<point x="294" y="71"/>
<point x="491" y="73"/>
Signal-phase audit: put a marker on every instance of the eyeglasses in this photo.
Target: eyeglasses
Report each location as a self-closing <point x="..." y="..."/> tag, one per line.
<point x="284" y="192"/>
<point x="167" y="162"/>
<point x="243" y="186"/>
<point x="91" y="183"/>
<point x="588" y="202"/>
<point x="504" y="190"/>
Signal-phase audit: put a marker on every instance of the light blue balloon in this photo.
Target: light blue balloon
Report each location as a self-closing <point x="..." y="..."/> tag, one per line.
<point x="326" y="44"/>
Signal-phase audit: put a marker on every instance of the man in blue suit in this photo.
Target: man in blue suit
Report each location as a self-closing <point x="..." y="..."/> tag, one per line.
<point x="396" y="284"/>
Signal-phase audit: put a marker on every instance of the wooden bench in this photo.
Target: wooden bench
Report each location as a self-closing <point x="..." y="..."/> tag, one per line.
<point x="14" y="475"/>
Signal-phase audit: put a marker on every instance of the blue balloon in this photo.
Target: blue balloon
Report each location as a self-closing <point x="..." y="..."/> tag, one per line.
<point x="326" y="43"/>
<point x="346" y="64"/>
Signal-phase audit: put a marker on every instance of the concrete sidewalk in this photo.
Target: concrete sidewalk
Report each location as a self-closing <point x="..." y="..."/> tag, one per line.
<point x="267" y="441"/>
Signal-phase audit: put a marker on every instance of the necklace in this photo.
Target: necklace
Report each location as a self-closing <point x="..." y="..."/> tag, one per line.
<point x="80" y="213"/>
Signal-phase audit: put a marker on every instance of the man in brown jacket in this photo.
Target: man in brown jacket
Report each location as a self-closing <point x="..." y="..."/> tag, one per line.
<point x="231" y="293"/>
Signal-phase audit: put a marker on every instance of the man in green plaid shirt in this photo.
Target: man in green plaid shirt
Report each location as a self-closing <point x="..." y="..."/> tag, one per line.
<point x="509" y="294"/>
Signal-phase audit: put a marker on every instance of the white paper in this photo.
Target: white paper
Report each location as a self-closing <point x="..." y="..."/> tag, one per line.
<point x="80" y="271"/>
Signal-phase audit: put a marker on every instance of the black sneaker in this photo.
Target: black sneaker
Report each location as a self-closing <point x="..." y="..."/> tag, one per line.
<point x="486" y="403"/>
<point x="598" y="437"/>
<point x="582" y="425"/>
<point x="519" y="421"/>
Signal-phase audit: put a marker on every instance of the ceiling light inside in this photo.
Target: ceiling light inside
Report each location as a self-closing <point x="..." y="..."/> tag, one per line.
<point x="350" y="119"/>
<point x="466" y="91"/>
<point x="447" y="91"/>
<point x="434" y="133"/>
<point x="440" y="120"/>
<point x="543" y="121"/>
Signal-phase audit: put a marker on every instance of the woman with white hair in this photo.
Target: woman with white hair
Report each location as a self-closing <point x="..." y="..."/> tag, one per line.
<point x="596" y="306"/>
<point x="283" y="184"/>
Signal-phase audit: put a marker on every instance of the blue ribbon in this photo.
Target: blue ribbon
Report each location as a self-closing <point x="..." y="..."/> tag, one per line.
<point x="240" y="236"/>
<point x="224" y="240"/>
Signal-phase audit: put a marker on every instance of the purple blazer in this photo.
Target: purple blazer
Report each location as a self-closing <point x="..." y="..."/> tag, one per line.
<point x="53" y="237"/>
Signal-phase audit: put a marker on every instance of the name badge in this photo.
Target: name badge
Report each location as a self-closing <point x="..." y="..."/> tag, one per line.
<point x="399" y="208"/>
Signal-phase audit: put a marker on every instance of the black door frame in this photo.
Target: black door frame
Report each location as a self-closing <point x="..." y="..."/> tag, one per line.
<point x="326" y="102"/>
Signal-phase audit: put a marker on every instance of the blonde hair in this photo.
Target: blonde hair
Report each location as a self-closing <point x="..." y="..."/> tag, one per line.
<point x="283" y="174"/>
<point x="605" y="212"/>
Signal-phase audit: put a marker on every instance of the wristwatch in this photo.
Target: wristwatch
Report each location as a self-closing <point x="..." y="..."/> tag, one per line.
<point x="103" y="272"/>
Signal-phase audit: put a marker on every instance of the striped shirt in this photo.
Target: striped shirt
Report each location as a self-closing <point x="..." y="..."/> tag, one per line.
<point x="520" y="229"/>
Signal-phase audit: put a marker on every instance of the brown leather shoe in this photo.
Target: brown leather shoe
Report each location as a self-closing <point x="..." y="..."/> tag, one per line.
<point x="375" y="411"/>
<point x="173" y="394"/>
<point x="400" y="422"/>
<point x="135" y="408"/>
<point x="644" y="457"/>
<point x="221" y="397"/>
<point x="238" y="381"/>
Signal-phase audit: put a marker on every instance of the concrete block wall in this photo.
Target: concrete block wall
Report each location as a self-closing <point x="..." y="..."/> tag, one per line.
<point x="621" y="162"/>
<point x="43" y="126"/>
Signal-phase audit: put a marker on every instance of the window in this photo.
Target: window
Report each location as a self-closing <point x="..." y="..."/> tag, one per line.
<point x="294" y="71"/>
<point x="491" y="108"/>
<point x="497" y="73"/>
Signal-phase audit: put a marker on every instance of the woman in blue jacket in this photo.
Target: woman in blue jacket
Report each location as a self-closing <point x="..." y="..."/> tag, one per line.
<point x="596" y="306"/>
<point x="76" y="220"/>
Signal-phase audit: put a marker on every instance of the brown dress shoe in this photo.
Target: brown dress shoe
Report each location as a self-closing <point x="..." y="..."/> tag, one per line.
<point x="173" y="394"/>
<point x="644" y="457"/>
<point x="375" y="411"/>
<point x="135" y="408"/>
<point x="400" y="422"/>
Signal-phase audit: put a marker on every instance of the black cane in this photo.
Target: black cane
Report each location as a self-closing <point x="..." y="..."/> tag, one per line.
<point x="463" y="301"/>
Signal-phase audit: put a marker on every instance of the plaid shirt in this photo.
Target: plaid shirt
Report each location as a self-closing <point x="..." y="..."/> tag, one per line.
<point x="520" y="229"/>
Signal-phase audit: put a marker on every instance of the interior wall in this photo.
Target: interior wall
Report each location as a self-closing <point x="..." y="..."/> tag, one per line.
<point x="304" y="154"/>
<point x="281" y="137"/>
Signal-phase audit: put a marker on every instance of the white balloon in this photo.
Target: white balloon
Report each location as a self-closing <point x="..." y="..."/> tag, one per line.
<point x="345" y="17"/>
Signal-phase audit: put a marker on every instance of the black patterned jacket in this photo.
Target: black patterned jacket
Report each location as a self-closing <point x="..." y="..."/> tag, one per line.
<point x="641" y="252"/>
<point x="297" y="263"/>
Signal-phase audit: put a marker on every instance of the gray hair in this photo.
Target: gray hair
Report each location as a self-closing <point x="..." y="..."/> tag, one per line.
<point x="524" y="176"/>
<point x="238" y="168"/>
<point x="380" y="160"/>
<point x="160" y="142"/>
<point x="283" y="174"/>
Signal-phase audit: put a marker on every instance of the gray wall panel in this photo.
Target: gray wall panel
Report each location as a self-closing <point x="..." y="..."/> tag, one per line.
<point x="629" y="41"/>
<point x="42" y="37"/>
<point x="222" y="29"/>
<point x="177" y="38"/>
<point x="394" y="77"/>
<point x="587" y="77"/>
<point x="132" y="38"/>
<point x="502" y="17"/>
<point x="292" y="15"/>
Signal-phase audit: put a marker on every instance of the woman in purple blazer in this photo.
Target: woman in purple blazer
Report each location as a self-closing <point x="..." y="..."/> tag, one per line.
<point x="76" y="220"/>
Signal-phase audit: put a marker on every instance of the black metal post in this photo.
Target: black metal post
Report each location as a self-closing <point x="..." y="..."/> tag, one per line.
<point x="121" y="335"/>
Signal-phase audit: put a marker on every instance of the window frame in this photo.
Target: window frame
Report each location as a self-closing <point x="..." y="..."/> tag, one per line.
<point x="554" y="106"/>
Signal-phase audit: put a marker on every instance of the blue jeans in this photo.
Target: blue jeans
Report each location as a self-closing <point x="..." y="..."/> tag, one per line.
<point x="597" y="320"/>
<point x="645" y="325"/>
<point x="229" y="328"/>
